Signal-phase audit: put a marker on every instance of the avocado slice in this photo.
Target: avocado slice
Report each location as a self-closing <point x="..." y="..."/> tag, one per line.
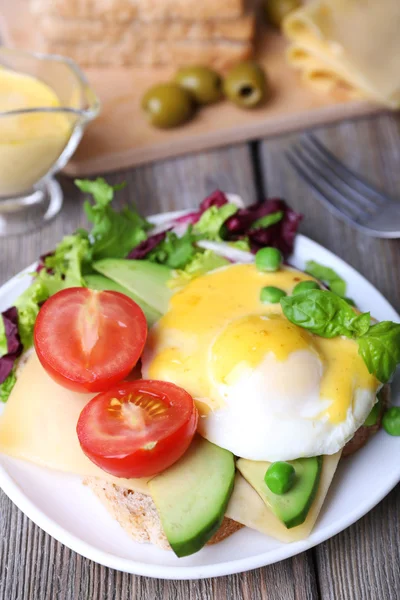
<point x="290" y="508"/>
<point x="146" y="279"/>
<point x="191" y="496"/>
<point x="100" y="282"/>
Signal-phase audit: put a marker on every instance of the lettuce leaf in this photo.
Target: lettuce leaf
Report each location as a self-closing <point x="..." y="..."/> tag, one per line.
<point x="173" y="251"/>
<point x="202" y="263"/>
<point x="7" y="386"/>
<point x="114" y="234"/>
<point x="211" y="221"/>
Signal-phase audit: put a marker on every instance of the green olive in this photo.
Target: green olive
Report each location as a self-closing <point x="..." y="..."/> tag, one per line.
<point x="276" y="10"/>
<point x="167" y="105"/>
<point x="246" y="84"/>
<point x="203" y="83"/>
<point x="280" y="477"/>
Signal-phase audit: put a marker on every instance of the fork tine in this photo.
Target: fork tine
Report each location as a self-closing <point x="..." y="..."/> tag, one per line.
<point x="340" y="182"/>
<point x="326" y="187"/>
<point x="324" y="195"/>
<point x="349" y="177"/>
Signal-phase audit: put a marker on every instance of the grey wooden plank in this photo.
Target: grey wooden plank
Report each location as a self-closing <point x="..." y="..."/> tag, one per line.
<point x="362" y="562"/>
<point x="33" y="566"/>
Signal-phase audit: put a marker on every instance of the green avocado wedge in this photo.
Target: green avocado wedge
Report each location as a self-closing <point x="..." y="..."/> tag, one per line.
<point x="100" y="282"/>
<point x="145" y="279"/>
<point x="191" y="496"/>
<point x="290" y="508"/>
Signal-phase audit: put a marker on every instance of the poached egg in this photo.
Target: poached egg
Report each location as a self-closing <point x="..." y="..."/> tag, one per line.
<point x="265" y="388"/>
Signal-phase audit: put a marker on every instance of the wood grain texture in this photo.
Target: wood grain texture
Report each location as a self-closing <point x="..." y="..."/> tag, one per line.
<point x="33" y="566"/>
<point x="362" y="563"/>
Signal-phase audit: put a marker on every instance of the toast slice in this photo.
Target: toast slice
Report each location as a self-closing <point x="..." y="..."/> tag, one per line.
<point x="137" y="514"/>
<point x="128" y="51"/>
<point x="146" y="10"/>
<point x="58" y="29"/>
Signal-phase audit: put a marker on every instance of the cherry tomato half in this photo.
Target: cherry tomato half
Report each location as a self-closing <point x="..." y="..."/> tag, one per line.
<point x="89" y="340"/>
<point x="138" y="428"/>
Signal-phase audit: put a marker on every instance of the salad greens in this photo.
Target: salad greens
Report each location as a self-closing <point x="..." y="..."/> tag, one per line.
<point x="327" y="315"/>
<point x="124" y="234"/>
<point x="113" y="234"/>
<point x="7" y="386"/>
<point x="174" y="251"/>
<point x="327" y="275"/>
<point x="201" y="263"/>
<point x="211" y="221"/>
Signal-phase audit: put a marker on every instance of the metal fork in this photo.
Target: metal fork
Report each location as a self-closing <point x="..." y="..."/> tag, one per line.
<point x="344" y="192"/>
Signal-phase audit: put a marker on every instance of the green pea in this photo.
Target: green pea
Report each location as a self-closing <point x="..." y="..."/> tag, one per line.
<point x="280" y="477"/>
<point x="391" y="421"/>
<point x="305" y="286"/>
<point x="373" y="416"/>
<point x="271" y="295"/>
<point x="268" y="259"/>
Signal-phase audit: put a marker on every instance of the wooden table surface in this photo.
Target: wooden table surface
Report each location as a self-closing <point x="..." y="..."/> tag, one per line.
<point x="362" y="563"/>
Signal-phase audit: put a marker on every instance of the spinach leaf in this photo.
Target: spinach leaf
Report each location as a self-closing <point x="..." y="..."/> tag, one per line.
<point x="380" y="349"/>
<point x="328" y="276"/>
<point x="324" y="314"/>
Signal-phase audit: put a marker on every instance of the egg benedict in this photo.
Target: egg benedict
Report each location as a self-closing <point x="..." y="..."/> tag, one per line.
<point x="266" y="389"/>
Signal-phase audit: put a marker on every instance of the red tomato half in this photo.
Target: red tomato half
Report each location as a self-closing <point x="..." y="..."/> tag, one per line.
<point x="138" y="428"/>
<point x="89" y="340"/>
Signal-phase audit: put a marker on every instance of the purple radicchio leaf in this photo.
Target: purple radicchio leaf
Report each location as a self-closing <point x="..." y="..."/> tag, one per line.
<point x="281" y="235"/>
<point x="14" y="345"/>
<point x="217" y="198"/>
<point x="42" y="263"/>
<point x="145" y="247"/>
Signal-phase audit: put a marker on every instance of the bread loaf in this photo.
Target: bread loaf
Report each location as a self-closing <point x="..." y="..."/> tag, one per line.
<point x="145" y="10"/>
<point x="58" y="29"/>
<point x="137" y="52"/>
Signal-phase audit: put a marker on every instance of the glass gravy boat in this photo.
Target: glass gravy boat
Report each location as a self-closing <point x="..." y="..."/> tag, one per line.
<point x="36" y="142"/>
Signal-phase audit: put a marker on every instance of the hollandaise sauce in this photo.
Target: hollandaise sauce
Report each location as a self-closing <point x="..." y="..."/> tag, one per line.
<point x="217" y="331"/>
<point x="30" y="143"/>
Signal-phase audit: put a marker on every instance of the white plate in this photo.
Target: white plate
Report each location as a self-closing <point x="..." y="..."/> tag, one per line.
<point x="68" y="511"/>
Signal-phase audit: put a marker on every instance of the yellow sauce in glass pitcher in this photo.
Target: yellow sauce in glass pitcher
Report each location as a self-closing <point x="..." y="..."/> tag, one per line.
<point x="30" y="143"/>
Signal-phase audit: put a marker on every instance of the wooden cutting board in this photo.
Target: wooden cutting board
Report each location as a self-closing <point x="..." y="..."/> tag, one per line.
<point x="121" y="137"/>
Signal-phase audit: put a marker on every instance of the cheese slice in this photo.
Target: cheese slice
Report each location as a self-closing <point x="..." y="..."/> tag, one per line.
<point x="351" y="41"/>
<point x="39" y="425"/>
<point x="247" y="507"/>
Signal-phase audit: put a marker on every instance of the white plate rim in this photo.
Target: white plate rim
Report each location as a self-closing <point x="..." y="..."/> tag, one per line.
<point x="16" y="495"/>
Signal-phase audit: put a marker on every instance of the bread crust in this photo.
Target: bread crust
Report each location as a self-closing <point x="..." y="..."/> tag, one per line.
<point x="138" y="516"/>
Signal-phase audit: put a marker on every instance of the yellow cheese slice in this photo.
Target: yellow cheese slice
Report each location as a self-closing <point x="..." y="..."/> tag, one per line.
<point x="246" y="506"/>
<point x="39" y="425"/>
<point x="356" y="41"/>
